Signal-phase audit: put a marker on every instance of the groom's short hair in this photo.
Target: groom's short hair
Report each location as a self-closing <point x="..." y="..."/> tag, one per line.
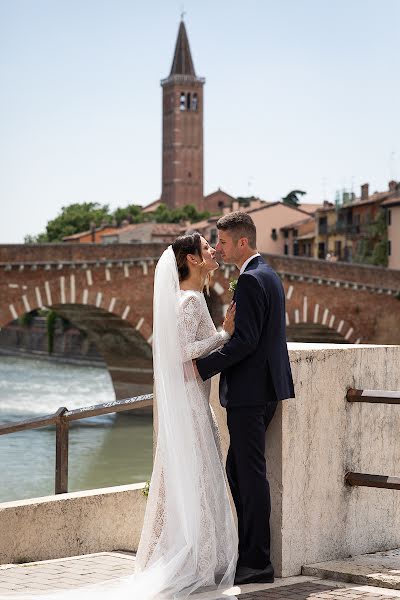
<point x="239" y="224"/>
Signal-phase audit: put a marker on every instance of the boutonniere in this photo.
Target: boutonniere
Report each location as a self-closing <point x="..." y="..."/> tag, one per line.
<point x="232" y="285"/>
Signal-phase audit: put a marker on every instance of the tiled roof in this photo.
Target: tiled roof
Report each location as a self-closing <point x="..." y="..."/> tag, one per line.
<point x="298" y="223"/>
<point x="152" y="206"/>
<point x="270" y="205"/>
<point x="310" y="207"/>
<point x="393" y="201"/>
<point x="76" y="236"/>
<point x="168" y="228"/>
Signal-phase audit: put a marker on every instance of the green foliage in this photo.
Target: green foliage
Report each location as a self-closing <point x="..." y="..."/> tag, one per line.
<point x="146" y="489"/>
<point x="76" y="218"/>
<point x="132" y="213"/>
<point x="51" y="327"/>
<point x="26" y="319"/>
<point x="373" y="250"/>
<point x="292" y="197"/>
<point x="163" y="214"/>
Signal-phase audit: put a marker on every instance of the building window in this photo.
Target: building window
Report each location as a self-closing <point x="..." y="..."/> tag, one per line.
<point x="194" y="102"/>
<point x="389" y="248"/>
<point x="321" y="250"/>
<point x="286" y="233"/>
<point x="274" y="235"/>
<point x="182" y="101"/>
<point x="189" y="174"/>
<point x="286" y="249"/>
<point x="338" y="249"/>
<point x="389" y="217"/>
<point x="295" y="248"/>
<point x="323" y="225"/>
<point x="188" y="101"/>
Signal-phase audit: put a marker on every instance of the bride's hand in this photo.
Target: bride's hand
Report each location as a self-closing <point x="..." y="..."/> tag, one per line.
<point x="229" y="322"/>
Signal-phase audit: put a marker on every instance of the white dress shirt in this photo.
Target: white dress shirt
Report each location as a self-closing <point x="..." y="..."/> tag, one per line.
<point x="246" y="262"/>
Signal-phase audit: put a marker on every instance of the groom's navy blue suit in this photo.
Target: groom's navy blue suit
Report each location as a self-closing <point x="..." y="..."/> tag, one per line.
<point x="255" y="375"/>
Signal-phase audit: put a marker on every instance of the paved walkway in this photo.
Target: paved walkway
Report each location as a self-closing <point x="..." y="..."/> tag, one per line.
<point x="380" y="569"/>
<point x="67" y="573"/>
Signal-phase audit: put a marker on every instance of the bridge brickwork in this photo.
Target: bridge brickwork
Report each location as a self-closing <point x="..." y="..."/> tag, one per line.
<point x="109" y="288"/>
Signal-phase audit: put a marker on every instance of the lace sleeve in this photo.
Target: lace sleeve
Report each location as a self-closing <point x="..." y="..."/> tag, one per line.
<point x="194" y="348"/>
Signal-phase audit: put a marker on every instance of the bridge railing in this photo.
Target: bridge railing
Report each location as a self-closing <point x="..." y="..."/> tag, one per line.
<point x="367" y="479"/>
<point x="62" y="418"/>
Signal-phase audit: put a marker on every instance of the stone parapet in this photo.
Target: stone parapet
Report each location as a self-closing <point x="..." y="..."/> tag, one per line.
<point x="312" y="442"/>
<point x="72" y="524"/>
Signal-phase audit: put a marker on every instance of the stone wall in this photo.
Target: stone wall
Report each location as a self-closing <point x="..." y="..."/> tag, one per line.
<point x="72" y="524"/>
<point x="312" y="442"/>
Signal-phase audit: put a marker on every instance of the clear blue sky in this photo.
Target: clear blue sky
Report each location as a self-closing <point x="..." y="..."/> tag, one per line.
<point x="300" y="94"/>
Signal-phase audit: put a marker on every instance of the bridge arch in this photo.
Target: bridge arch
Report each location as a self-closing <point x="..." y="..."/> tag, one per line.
<point x="308" y="309"/>
<point x="115" y="317"/>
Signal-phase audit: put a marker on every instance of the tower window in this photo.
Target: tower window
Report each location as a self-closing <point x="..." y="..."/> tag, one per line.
<point x="182" y="101"/>
<point x="189" y="173"/>
<point x="188" y="101"/>
<point x="194" y="102"/>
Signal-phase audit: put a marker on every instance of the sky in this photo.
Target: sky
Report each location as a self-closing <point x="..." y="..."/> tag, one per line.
<point x="299" y="94"/>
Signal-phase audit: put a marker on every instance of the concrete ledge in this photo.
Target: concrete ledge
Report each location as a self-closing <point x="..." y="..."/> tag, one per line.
<point x="100" y="520"/>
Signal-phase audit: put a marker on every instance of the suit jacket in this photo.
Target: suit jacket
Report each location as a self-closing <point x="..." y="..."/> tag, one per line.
<point x="254" y="363"/>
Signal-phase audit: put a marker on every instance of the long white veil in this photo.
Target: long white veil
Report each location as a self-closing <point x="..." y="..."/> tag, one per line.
<point x="189" y="538"/>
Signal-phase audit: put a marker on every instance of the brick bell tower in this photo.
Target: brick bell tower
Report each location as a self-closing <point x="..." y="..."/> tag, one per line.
<point x="182" y="145"/>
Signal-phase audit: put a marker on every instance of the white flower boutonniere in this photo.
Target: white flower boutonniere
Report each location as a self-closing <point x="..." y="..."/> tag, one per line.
<point x="232" y="285"/>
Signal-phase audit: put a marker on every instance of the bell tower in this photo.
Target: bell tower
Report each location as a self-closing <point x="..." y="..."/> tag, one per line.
<point x="182" y="138"/>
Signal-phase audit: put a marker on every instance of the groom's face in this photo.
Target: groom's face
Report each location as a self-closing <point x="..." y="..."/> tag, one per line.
<point x="228" y="247"/>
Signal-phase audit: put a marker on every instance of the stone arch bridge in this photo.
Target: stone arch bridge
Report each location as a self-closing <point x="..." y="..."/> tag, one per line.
<point x="106" y="291"/>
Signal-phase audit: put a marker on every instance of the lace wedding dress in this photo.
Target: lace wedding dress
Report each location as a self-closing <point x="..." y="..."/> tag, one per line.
<point x="189" y="538"/>
<point x="199" y="337"/>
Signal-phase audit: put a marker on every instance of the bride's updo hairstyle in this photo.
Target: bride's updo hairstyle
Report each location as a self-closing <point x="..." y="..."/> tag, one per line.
<point x="189" y="243"/>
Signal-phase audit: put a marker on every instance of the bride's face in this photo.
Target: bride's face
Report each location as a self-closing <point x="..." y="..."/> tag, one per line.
<point x="208" y="255"/>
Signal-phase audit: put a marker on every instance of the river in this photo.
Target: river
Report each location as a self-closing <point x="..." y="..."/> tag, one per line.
<point x="103" y="451"/>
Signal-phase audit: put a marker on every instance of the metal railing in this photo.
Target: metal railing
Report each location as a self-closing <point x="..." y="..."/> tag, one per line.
<point x="367" y="479"/>
<point x="62" y="418"/>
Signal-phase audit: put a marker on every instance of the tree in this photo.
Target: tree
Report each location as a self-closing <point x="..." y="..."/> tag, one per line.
<point x="73" y="219"/>
<point x="373" y="250"/>
<point x="132" y="213"/>
<point x="76" y="218"/>
<point x="292" y="197"/>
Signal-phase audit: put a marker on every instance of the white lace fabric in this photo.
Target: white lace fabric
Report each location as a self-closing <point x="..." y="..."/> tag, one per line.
<point x="189" y="539"/>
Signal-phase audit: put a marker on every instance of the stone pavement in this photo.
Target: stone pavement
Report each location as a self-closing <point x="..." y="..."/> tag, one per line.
<point x="67" y="573"/>
<point x="381" y="569"/>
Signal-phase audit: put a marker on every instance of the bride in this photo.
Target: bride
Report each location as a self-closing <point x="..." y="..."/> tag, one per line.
<point x="189" y="538"/>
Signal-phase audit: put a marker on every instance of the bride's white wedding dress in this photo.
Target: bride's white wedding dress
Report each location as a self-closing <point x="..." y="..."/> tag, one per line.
<point x="189" y="538"/>
<point x="199" y="337"/>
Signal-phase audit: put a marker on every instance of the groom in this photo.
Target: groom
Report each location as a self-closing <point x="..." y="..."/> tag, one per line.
<point x="255" y="375"/>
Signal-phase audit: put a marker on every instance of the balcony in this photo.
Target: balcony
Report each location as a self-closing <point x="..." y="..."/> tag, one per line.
<point x="344" y="228"/>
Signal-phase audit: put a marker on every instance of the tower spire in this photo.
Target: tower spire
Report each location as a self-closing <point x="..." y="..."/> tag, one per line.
<point x="182" y="63"/>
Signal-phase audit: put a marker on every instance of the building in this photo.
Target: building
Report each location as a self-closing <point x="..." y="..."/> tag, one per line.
<point x="182" y="137"/>
<point x="350" y="229"/>
<point x="145" y="233"/>
<point x="299" y="237"/>
<point x="392" y="208"/>
<point x="92" y="236"/>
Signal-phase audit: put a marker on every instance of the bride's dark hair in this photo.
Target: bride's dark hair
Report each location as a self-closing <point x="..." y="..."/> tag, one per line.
<point x="190" y="243"/>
